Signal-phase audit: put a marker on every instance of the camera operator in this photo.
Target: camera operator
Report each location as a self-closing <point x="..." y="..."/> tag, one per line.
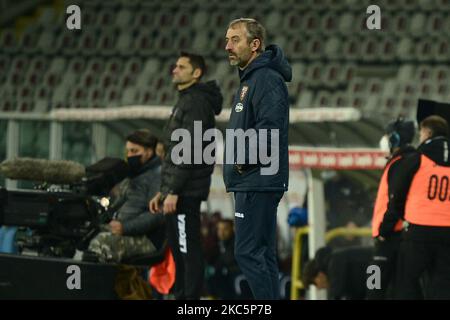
<point x="131" y="230"/>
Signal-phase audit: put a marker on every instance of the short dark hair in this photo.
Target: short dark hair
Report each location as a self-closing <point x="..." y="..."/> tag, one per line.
<point x="437" y="125"/>
<point x="143" y="137"/>
<point x="315" y="266"/>
<point x="196" y="61"/>
<point x="310" y="272"/>
<point x="255" y="30"/>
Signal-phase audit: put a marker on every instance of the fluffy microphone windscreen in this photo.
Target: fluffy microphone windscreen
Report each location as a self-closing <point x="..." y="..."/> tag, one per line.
<point x="42" y="170"/>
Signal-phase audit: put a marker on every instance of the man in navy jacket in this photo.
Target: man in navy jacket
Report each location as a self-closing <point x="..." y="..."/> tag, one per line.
<point x="259" y="176"/>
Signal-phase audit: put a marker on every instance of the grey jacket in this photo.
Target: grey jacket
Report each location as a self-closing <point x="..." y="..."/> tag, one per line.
<point x="135" y="193"/>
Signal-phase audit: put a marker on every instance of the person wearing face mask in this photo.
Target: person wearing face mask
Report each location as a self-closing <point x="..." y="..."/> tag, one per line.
<point x="424" y="255"/>
<point x="389" y="205"/>
<point x="133" y="231"/>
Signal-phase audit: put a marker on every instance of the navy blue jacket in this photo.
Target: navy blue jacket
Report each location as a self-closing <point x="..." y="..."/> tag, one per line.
<point x="260" y="103"/>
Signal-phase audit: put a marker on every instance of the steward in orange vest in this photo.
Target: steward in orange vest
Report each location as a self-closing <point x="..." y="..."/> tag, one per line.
<point x="389" y="204"/>
<point x="424" y="257"/>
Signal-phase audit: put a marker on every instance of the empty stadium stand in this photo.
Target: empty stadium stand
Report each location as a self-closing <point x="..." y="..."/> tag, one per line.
<point x="124" y="52"/>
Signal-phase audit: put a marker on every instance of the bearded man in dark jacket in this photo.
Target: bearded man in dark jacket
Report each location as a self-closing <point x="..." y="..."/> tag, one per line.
<point x="185" y="184"/>
<point x="260" y="122"/>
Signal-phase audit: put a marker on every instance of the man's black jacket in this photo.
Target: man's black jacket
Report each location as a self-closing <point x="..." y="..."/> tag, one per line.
<point x="396" y="192"/>
<point x="346" y="271"/>
<point x="199" y="102"/>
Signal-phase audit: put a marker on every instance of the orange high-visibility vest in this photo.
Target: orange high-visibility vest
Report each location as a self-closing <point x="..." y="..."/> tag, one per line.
<point x="381" y="203"/>
<point x="428" y="201"/>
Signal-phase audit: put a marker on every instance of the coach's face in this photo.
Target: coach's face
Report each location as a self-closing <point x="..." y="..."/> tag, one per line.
<point x="183" y="72"/>
<point x="240" y="51"/>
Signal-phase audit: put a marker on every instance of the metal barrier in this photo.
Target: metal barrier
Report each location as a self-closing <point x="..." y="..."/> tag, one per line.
<point x="296" y="282"/>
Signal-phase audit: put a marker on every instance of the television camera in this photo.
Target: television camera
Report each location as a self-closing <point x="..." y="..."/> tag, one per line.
<point x="67" y="207"/>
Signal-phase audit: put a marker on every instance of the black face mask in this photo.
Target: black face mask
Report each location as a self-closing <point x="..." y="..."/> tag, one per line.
<point x="135" y="165"/>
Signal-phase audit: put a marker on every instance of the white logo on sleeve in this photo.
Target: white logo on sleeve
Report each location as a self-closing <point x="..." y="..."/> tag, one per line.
<point x="239" y="215"/>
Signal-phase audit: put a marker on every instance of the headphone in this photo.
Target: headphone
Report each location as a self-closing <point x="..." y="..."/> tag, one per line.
<point x="394" y="140"/>
<point x="400" y="132"/>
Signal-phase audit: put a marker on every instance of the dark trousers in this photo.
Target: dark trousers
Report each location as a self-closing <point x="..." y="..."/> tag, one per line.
<point x="185" y="242"/>
<point x="423" y="270"/>
<point x="385" y="257"/>
<point x="255" y="242"/>
<point x="221" y="285"/>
